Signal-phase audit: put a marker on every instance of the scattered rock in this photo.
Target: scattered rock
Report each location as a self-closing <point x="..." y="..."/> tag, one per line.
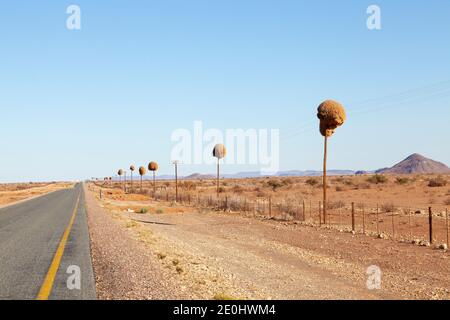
<point x="382" y="236"/>
<point x="424" y="243"/>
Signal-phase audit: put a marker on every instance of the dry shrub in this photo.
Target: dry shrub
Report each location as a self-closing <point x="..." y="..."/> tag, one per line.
<point x="339" y="188"/>
<point x="287" y="181"/>
<point x="238" y="189"/>
<point x="312" y="182"/>
<point x="377" y="179"/>
<point x="388" y="207"/>
<point x="261" y="194"/>
<point x="274" y="184"/>
<point x="362" y="186"/>
<point x="335" y="205"/>
<point x="447" y="202"/>
<point x="221" y="190"/>
<point x="437" y="182"/>
<point x="188" y="185"/>
<point x="402" y="180"/>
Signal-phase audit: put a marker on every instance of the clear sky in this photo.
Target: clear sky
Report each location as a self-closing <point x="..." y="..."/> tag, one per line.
<point x="82" y="103"/>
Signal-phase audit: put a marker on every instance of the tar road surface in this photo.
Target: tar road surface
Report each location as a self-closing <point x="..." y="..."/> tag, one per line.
<point x="31" y="233"/>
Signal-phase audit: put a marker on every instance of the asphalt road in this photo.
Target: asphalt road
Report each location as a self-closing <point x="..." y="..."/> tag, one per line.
<point x="45" y="248"/>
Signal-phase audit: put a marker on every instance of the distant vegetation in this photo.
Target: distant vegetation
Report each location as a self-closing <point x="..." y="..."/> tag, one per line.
<point x="437" y="182"/>
<point x="377" y="179"/>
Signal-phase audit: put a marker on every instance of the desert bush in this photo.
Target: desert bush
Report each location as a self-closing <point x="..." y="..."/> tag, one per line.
<point x="261" y="194"/>
<point x="377" y="179"/>
<point x="348" y="182"/>
<point x="402" y="180"/>
<point x="447" y="202"/>
<point x="143" y="210"/>
<point x="221" y="190"/>
<point x="437" y="182"/>
<point x="339" y="188"/>
<point x="312" y="182"/>
<point x="339" y="179"/>
<point x="335" y="205"/>
<point x="274" y="184"/>
<point x="388" y="207"/>
<point x="159" y="211"/>
<point x="238" y="189"/>
<point x="188" y="185"/>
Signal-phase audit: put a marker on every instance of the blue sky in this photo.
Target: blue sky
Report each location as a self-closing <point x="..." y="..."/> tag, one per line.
<point x="76" y="104"/>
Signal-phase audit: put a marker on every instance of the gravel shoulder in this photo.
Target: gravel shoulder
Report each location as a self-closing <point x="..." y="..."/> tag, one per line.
<point x="124" y="267"/>
<point x="211" y="255"/>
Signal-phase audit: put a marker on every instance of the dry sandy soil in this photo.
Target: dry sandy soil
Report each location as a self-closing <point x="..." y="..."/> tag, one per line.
<point x="216" y="255"/>
<point x="15" y="192"/>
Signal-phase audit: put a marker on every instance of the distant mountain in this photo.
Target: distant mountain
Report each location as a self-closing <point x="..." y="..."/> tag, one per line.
<point x="198" y="176"/>
<point x="416" y="163"/>
<point x="290" y="173"/>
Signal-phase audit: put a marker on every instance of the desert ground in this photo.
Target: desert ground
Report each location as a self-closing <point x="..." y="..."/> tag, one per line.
<point x="11" y="193"/>
<point x="235" y="247"/>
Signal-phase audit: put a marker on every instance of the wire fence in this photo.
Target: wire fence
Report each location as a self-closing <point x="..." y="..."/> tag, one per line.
<point x="420" y="225"/>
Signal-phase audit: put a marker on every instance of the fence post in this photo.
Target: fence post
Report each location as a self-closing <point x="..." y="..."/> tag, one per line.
<point x="430" y="222"/>
<point x="320" y="213"/>
<point x="378" y="220"/>
<point x="304" y="212"/>
<point x="353" y="216"/>
<point x="310" y="211"/>
<point x="409" y="222"/>
<point x="340" y="216"/>
<point x="270" y="207"/>
<point x="446" y="224"/>
<point x="393" y="226"/>
<point x="364" y="218"/>
<point x="226" y="203"/>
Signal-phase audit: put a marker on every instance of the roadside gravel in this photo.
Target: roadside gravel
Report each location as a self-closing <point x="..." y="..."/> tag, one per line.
<point x="124" y="268"/>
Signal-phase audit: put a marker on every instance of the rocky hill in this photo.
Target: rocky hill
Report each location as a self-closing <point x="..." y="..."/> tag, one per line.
<point x="416" y="163"/>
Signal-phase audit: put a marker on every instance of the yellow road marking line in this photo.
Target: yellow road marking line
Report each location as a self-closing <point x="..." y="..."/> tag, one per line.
<point x="47" y="285"/>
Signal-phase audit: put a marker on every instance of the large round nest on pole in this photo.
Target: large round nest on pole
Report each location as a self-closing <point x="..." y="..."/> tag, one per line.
<point x="332" y="115"/>
<point x="142" y="171"/>
<point x="219" y="151"/>
<point x="153" y="166"/>
<point x="120" y="172"/>
<point x="132" y="168"/>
